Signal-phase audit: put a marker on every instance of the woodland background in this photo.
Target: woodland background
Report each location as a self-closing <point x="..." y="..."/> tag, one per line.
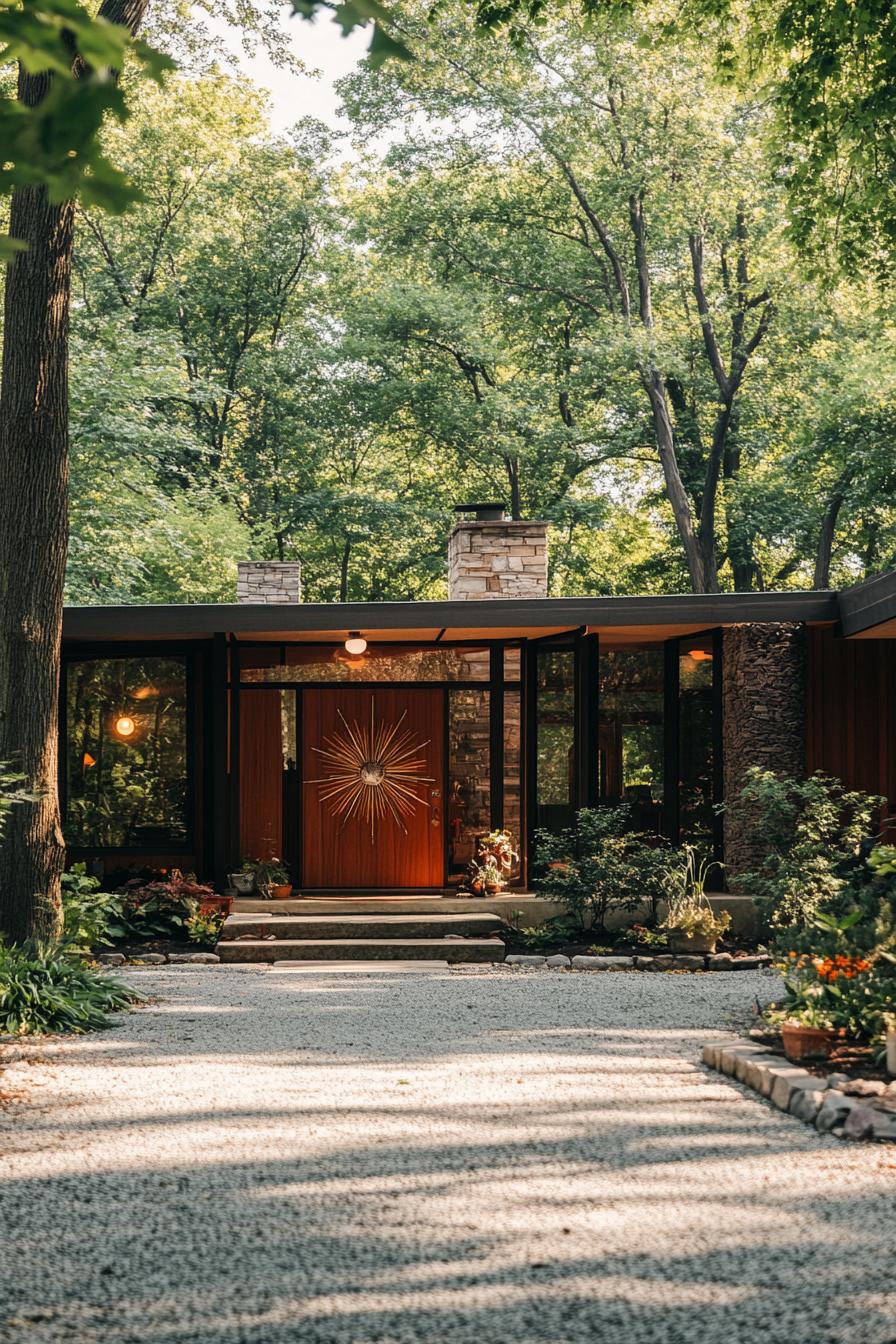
<point x="560" y="268"/>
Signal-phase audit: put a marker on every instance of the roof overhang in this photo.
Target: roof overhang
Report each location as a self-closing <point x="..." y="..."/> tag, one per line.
<point x="868" y="610"/>
<point x="621" y="619"/>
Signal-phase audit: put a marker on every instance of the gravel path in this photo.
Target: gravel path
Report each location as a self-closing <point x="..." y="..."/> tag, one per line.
<point x="262" y="1156"/>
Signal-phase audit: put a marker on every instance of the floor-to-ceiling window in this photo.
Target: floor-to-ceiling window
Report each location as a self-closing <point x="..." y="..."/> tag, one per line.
<point x="126" y="779"/>
<point x="632" y="731"/>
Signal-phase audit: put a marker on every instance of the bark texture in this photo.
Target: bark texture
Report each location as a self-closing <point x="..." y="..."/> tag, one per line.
<point x="34" y="471"/>
<point x="33" y="545"/>
<point x="763" y="723"/>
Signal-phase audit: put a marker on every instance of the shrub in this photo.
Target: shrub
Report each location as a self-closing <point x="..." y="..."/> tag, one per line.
<point x="44" y="990"/>
<point x="160" y="909"/>
<point x="599" y="865"/>
<point x="204" y="925"/>
<point x="815" y="830"/>
<point x="90" y="917"/>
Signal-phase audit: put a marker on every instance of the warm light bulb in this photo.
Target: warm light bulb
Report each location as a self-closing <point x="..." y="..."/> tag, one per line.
<point x="701" y="655"/>
<point x="356" y="643"/>
<point x="125" y="726"/>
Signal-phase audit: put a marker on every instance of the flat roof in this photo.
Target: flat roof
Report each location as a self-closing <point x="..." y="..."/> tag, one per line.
<point x="868" y="610"/>
<point x="623" y="619"/>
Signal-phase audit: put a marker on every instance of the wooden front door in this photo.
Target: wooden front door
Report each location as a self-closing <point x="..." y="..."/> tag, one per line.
<point x="373" y="766"/>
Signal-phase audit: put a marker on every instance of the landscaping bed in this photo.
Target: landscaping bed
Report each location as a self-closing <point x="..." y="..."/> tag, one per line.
<point x="846" y="1105"/>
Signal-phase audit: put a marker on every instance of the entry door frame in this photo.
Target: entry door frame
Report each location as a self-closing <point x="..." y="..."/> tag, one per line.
<point x="293" y="807"/>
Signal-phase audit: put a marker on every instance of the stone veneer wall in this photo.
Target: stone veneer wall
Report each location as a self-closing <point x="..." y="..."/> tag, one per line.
<point x="497" y="559"/>
<point x="763" y="722"/>
<point x="269" y="581"/>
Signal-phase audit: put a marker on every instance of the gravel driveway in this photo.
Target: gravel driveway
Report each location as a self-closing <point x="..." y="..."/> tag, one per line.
<point x="269" y="1156"/>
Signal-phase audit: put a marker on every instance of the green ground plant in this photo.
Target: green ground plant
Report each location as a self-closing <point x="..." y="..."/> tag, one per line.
<point x="600" y="865"/>
<point x="44" y="989"/>
<point x="91" y="917"/>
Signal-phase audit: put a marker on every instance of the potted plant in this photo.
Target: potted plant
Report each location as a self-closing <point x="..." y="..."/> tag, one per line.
<point x="272" y="879"/>
<point x="808" y="1033"/>
<point x="489" y="872"/>
<point x="243" y="880"/>
<point x="691" y="923"/>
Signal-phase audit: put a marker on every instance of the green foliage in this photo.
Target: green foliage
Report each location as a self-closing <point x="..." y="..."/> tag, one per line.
<point x="11" y="792"/>
<point x="43" y="990"/>
<point x="551" y="933"/>
<point x="690" y="912"/>
<point x="161" y="908"/>
<point x="600" y="865"/>
<point x="91" y="917"/>
<point x="814" y="830"/>
<point x="204" y="925"/>
<point x="54" y="143"/>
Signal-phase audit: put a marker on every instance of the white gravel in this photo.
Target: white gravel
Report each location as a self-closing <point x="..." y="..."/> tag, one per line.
<point x="260" y="1156"/>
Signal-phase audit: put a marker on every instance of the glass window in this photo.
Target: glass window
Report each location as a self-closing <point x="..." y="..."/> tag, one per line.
<point x="631" y="732"/>
<point x="381" y="662"/>
<point x="695" y="710"/>
<point x="555" y="738"/>
<point x="469" y="786"/>
<point x="126" y="752"/>
<point x="513" y="802"/>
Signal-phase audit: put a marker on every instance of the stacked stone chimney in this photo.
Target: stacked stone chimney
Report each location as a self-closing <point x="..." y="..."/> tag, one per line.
<point x="492" y="556"/>
<point x="268" y="582"/>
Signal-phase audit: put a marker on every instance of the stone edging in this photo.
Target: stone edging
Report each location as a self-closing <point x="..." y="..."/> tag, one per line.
<point x="720" y="961"/>
<point x="159" y="959"/>
<point x="847" y="1108"/>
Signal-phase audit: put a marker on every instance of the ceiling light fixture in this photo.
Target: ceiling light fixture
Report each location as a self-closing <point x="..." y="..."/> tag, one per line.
<point x="700" y="655"/>
<point x="125" y="726"/>
<point x="356" y="644"/>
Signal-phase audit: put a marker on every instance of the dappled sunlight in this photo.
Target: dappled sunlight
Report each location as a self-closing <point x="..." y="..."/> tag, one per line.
<point x="405" y="1160"/>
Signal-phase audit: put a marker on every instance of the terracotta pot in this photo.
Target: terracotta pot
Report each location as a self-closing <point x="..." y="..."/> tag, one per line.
<point x="807" y="1042"/>
<point x="691" y="942"/>
<point x="281" y="893"/>
<point x="222" y="903"/>
<point x="493" y="888"/>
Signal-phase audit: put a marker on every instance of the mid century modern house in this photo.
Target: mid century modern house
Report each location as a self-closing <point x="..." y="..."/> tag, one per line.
<point x="369" y="744"/>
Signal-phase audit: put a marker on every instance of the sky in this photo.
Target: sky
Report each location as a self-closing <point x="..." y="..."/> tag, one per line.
<point x="322" y="48"/>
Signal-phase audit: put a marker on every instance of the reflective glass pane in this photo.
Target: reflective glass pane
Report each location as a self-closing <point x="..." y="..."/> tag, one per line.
<point x="555" y="738"/>
<point x="469" y="791"/>
<point x="380" y="662"/>
<point x="695" y="711"/>
<point x="126" y="752"/>
<point x="631" y="732"/>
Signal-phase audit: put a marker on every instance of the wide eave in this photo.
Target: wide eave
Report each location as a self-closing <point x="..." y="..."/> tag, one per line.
<point x="625" y="619"/>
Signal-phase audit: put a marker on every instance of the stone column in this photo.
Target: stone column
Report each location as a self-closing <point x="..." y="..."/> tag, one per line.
<point x="490" y="558"/>
<point x="763" y="722"/>
<point x="267" y="582"/>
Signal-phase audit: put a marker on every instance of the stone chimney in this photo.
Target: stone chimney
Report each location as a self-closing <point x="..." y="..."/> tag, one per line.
<point x="492" y="556"/>
<point x="267" y="582"/>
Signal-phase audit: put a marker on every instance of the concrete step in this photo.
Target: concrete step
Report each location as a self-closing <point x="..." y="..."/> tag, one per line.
<point x="359" y="949"/>
<point x="360" y="926"/>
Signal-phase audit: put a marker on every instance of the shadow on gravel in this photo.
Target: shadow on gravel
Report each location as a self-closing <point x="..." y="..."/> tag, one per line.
<point x="666" y="1216"/>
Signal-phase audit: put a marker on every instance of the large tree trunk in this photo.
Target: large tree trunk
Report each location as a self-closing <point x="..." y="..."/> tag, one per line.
<point x="34" y="532"/>
<point x="33" y="544"/>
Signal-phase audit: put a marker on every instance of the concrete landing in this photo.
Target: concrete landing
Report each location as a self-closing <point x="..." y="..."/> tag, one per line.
<point x="360" y="926"/>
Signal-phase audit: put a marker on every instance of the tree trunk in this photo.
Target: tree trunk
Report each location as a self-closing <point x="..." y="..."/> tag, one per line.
<point x="33" y="545"/>
<point x="34" y="470"/>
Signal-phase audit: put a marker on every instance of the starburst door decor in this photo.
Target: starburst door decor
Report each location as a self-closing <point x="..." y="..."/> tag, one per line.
<point x="371" y="772"/>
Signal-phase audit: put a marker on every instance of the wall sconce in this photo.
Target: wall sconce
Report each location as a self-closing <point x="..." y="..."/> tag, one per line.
<point x="125" y="726"/>
<point x="356" y="644"/>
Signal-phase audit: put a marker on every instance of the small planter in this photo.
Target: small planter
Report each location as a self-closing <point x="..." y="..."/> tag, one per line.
<point x="224" y="904"/>
<point x="807" y="1042"/>
<point x="691" y="942"/>
<point x="493" y="888"/>
<point x="280" y="893"/>
<point x="243" y="883"/>
<point x="891" y="1051"/>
